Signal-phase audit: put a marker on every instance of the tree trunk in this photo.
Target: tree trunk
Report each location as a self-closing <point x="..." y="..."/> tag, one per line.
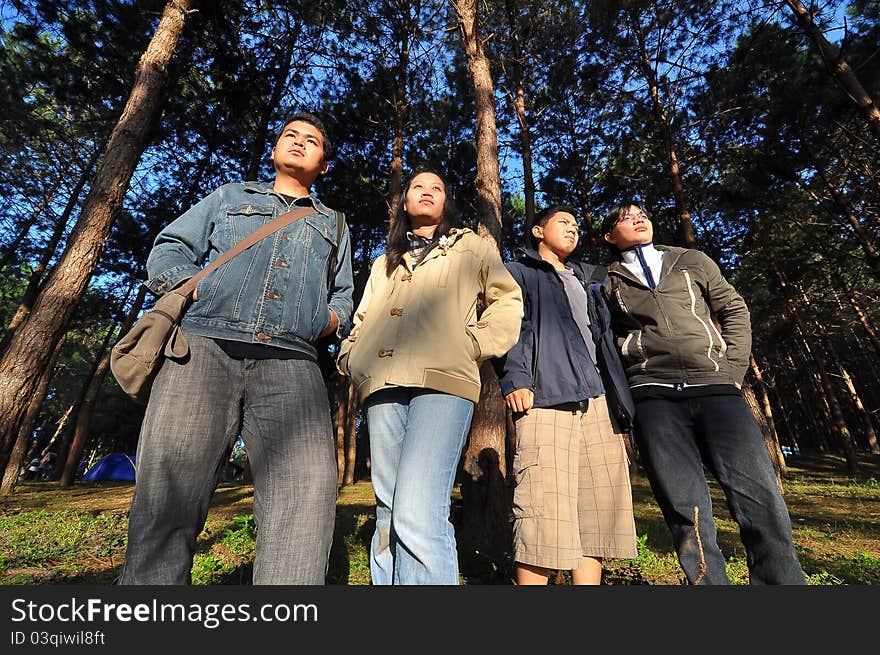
<point x="86" y="409"/>
<point x="799" y="405"/>
<point x="80" y="425"/>
<point x="351" y="409"/>
<point x="10" y="475"/>
<point x="488" y="182"/>
<point x="13" y="246"/>
<point x="790" y="428"/>
<point x="517" y="100"/>
<point x="837" y="282"/>
<point x="838" y="66"/>
<point x="40" y="442"/>
<point x="33" y="286"/>
<point x="31" y="347"/>
<point x="340" y="422"/>
<point x="400" y="106"/>
<point x="772" y="437"/>
<point x="686" y="227"/>
<point x="770" y="442"/>
<point x="485" y="528"/>
<point x="845" y="208"/>
<point x="844" y="437"/>
<point x="71" y="448"/>
<point x="486" y="537"/>
<point x="59" y="431"/>
<point x="870" y="434"/>
<point x="280" y="73"/>
<point x="866" y="322"/>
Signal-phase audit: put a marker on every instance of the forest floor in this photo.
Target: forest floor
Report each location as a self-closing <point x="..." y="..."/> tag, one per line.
<point x="50" y="535"/>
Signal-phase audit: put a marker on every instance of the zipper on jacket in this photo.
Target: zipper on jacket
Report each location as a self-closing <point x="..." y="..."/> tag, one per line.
<point x="693" y="298"/>
<point x="644" y="363"/>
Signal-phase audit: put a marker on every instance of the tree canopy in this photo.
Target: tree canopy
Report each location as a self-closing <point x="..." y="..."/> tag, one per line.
<point x="729" y="120"/>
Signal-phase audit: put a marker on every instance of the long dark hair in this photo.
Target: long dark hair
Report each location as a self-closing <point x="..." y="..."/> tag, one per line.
<point x="398" y="243"/>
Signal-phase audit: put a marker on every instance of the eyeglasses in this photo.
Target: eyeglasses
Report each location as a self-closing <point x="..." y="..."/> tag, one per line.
<point x="629" y="218"/>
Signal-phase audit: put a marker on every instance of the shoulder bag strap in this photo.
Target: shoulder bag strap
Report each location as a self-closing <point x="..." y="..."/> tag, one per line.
<point x="334" y="251"/>
<point x="259" y="234"/>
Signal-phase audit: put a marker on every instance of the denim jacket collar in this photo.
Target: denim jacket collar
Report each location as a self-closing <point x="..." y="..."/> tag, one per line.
<point x="265" y="188"/>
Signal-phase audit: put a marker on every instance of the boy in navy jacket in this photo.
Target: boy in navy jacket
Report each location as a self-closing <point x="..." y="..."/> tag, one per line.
<point x="571" y="404"/>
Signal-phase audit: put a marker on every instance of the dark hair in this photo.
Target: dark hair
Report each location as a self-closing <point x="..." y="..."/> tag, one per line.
<point x="311" y="119"/>
<point x="541" y="219"/>
<point x="397" y="243"/>
<point x="616" y="213"/>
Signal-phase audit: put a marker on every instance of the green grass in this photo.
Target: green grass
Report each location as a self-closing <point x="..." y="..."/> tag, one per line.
<point x="221" y="559"/>
<point x="36" y="545"/>
<point x="49" y="535"/>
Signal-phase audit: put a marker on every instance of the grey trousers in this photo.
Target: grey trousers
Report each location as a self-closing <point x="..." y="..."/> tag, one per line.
<point x="197" y="409"/>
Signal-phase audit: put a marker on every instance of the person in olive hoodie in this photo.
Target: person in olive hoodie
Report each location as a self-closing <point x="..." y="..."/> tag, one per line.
<point x="685" y="373"/>
<point x="565" y="385"/>
<point x="413" y="356"/>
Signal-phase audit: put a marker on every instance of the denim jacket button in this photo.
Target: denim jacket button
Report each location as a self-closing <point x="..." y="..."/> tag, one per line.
<point x="272" y="295"/>
<point x="263" y="336"/>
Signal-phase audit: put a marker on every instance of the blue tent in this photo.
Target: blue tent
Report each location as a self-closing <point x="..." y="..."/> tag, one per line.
<point x="115" y="466"/>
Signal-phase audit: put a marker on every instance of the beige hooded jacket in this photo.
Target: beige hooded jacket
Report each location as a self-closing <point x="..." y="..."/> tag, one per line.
<point x="420" y="327"/>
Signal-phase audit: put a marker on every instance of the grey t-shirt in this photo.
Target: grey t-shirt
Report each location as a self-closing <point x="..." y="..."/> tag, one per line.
<point x="577" y="302"/>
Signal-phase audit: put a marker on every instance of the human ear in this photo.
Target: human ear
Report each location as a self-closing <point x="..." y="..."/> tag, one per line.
<point x="537" y="231"/>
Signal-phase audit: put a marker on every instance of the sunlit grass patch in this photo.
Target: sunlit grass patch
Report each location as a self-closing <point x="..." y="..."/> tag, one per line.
<point x="43" y="538"/>
<point x="236" y="548"/>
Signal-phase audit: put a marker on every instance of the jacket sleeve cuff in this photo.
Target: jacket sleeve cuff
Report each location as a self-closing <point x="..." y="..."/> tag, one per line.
<point x="512" y="383"/>
<point x="170" y="279"/>
<point x="343" y="313"/>
<point x="342" y="357"/>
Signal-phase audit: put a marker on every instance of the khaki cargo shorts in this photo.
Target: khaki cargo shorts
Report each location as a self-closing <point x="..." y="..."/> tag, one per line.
<point x="572" y="496"/>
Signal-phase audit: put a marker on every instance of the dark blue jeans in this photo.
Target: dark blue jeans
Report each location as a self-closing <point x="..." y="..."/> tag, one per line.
<point x="196" y="411"/>
<point x="676" y="438"/>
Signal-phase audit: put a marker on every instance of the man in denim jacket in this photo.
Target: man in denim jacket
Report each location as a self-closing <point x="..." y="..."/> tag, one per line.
<point x="251" y="371"/>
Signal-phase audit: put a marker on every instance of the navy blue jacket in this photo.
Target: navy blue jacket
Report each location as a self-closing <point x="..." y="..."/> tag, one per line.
<point x="550" y="357"/>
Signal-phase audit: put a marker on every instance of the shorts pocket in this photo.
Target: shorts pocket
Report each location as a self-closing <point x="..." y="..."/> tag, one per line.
<point x="528" y="492"/>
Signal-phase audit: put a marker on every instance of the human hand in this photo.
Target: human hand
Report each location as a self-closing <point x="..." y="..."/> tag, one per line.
<point x="520" y="401"/>
<point x="331" y="326"/>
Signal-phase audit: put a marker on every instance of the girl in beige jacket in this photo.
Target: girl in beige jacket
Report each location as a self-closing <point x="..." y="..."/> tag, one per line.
<point x="437" y="303"/>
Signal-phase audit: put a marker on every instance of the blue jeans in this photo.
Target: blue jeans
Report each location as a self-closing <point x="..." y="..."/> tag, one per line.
<point x="416" y="438"/>
<point x="676" y="438"/>
<point x="197" y="409"/>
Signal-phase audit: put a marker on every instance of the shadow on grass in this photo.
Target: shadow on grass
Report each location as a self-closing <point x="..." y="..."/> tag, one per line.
<point x="349" y="552"/>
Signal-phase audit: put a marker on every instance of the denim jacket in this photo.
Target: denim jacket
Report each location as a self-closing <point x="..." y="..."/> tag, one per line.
<point x="275" y="292"/>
